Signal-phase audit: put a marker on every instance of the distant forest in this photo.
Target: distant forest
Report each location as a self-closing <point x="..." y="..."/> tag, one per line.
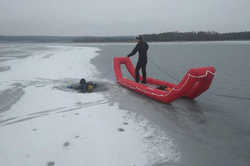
<point x="173" y="36"/>
<point x="91" y="39"/>
<point x="196" y="36"/>
<point x="161" y="37"/>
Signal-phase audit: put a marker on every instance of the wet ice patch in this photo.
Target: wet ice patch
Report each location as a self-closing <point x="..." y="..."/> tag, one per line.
<point x="9" y="97"/>
<point x="4" y="68"/>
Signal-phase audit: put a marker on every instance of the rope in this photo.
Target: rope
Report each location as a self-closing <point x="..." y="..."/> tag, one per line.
<point x="107" y="73"/>
<point x="230" y="96"/>
<point x="163" y="71"/>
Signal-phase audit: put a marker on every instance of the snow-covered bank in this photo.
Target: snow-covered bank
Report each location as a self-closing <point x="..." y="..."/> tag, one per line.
<point x="48" y="126"/>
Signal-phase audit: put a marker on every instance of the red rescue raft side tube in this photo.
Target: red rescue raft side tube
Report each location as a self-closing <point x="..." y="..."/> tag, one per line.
<point x="195" y="82"/>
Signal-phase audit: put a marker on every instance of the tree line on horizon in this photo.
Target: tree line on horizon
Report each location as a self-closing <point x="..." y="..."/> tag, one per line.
<point x="196" y="36"/>
<point x="161" y="37"/>
<point x="173" y="36"/>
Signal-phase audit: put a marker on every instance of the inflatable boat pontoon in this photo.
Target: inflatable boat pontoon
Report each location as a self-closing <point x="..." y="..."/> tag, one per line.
<point x="195" y="82"/>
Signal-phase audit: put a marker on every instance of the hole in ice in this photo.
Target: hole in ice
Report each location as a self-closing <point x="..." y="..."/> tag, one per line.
<point x="121" y="130"/>
<point x="51" y="163"/>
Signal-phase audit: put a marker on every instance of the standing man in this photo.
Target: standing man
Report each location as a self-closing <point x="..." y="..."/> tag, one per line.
<point x="142" y="48"/>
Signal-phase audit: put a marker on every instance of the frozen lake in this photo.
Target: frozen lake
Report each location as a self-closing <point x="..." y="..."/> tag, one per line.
<point x="42" y="122"/>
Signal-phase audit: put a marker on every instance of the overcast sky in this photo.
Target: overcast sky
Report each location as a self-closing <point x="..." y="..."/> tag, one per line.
<point x="121" y="17"/>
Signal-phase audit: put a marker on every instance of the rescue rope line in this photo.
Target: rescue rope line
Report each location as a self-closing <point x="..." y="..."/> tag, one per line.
<point x="163" y="71"/>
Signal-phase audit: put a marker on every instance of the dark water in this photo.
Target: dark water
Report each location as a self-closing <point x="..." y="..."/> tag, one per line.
<point x="213" y="129"/>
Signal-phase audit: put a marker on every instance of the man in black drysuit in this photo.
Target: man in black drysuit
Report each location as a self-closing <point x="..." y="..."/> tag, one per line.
<point x="142" y="48"/>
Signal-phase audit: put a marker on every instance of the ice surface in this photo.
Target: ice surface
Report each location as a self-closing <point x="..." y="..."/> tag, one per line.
<point x="49" y="126"/>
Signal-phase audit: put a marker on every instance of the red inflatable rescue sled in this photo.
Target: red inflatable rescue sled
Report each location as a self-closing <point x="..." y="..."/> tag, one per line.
<point x="195" y="82"/>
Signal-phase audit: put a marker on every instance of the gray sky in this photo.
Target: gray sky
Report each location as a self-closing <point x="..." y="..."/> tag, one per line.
<point x="121" y="17"/>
